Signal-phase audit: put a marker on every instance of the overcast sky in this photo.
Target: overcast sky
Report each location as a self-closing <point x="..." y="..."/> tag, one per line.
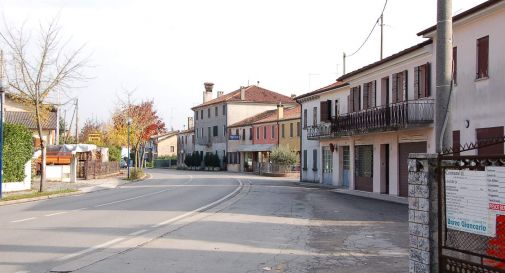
<point x="167" y="49"/>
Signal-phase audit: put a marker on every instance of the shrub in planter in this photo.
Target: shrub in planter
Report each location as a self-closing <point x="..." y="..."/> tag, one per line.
<point x="17" y="150"/>
<point x="136" y="173"/>
<point x="282" y="155"/>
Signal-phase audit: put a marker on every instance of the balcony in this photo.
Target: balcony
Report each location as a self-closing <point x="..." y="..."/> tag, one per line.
<point x="392" y="117"/>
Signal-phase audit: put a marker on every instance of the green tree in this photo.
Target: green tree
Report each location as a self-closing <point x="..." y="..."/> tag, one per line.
<point x="283" y="155"/>
<point x="114" y="153"/>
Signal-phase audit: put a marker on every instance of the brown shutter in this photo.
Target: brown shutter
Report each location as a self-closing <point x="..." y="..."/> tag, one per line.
<point x="350" y="102"/>
<point x="455" y="65"/>
<point x="427" y="79"/>
<point x="483" y="47"/>
<point x="328" y="109"/>
<point x="456" y="141"/>
<point x="365" y="95"/>
<point x="394" y="88"/>
<point x="357" y="99"/>
<point x="405" y="85"/>
<point x="324" y="111"/>
<point x="372" y="94"/>
<point x="416" y="82"/>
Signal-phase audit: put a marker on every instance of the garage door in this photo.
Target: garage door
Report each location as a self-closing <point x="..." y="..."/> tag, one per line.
<point x="364" y="167"/>
<point x="404" y="150"/>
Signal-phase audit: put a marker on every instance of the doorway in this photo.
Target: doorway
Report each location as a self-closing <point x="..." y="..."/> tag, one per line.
<point x="364" y="167"/>
<point x="327" y="165"/>
<point x="346" y="167"/>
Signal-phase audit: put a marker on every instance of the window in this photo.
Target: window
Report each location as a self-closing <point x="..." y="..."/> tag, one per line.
<point x="283" y="130"/>
<point x="304" y="159"/>
<point x="224" y="130"/>
<point x="325" y="110"/>
<point x="314" y="117"/>
<point x="224" y="109"/>
<point x="243" y="134"/>
<point x="214" y="131"/>
<point x="251" y="133"/>
<point x="172" y="149"/>
<point x="369" y="94"/>
<point x="314" y="160"/>
<point x="209" y="133"/>
<point x="208" y="112"/>
<point x="237" y="132"/>
<point x="298" y="129"/>
<point x="304" y="118"/>
<point x="483" y="57"/>
<point x="399" y="88"/>
<point x="455" y="65"/>
<point x="354" y="99"/>
<point x="257" y="132"/>
<point x="273" y="132"/>
<point x="264" y="132"/>
<point x="337" y="109"/>
<point x="291" y="130"/>
<point x="201" y="114"/>
<point x="216" y="111"/>
<point x="196" y="115"/>
<point x="422" y="81"/>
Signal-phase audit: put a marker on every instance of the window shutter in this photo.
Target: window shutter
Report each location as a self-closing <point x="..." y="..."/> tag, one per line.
<point x="416" y="82"/>
<point x="394" y="88"/>
<point x="350" y="102"/>
<point x="372" y="94"/>
<point x="405" y="85"/>
<point x="357" y="99"/>
<point x="365" y="95"/>
<point x="455" y="65"/>
<point x="427" y="79"/>
<point x="328" y="109"/>
<point x="323" y="111"/>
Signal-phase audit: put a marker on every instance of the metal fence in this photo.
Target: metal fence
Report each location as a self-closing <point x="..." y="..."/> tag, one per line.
<point x="165" y="163"/>
<point x="275" y="169"/>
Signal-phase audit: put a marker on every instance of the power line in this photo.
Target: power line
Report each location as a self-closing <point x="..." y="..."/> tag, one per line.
<point x="370" y="34"/>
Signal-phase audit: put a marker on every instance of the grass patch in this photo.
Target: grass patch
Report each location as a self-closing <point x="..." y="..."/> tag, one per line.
<point x="34" y="194"/>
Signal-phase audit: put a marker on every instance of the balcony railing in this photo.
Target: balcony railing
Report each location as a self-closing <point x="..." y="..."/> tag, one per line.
<point x="389" y="117"/>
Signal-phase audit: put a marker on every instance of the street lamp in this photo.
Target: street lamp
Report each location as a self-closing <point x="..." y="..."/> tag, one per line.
<point x="129" y="122"/>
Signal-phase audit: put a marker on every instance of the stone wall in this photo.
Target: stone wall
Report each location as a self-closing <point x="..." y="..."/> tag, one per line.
<point x="423" y="218"/>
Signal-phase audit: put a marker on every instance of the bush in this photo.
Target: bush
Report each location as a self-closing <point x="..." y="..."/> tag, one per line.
<point x="136" y="173"/>
<point x="17" y="150"/>
<point x="282" y="155"/>
<point x="114" y="153"/>
<point x="167" y="157"/>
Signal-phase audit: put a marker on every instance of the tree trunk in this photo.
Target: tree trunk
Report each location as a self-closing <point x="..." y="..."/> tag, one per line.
<point x="43" y="166"/>
<point x="142" y="157"/>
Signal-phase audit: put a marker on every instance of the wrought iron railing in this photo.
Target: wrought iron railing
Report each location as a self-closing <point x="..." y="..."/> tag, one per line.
<point x="381" y="118"/>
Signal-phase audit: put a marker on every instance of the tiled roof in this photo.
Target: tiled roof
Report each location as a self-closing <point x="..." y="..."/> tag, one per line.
<point x="270" y="116"/>
<point x="253" y="93"/>
<point x="334" y="85"/>
<point x="28" y="119"/>
<point x="385" y="60"/>
<point x="463" y="15"/>
<point x="165" y="135"/>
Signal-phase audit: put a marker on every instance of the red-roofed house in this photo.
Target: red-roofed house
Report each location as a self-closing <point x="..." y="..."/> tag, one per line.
<point x="213" y="116"/>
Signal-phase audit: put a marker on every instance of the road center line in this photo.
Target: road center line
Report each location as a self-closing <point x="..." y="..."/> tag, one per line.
<point x="22" y="220"/>
<point x="56" y="213"/>
<point x="93" y="248"/>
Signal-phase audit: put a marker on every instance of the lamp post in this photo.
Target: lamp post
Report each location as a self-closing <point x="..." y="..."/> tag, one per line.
<point x="129" y="122"/>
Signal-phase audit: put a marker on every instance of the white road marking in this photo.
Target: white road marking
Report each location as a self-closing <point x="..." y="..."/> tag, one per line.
<point x="93" y="248"/>
<point x="22" y="220"/>
<point x="56" y="213"/>
<point x="138" y="232"/>
<point x="171" y="220"/>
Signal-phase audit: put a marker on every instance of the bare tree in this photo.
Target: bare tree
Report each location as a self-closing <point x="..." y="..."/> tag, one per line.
<point x="37" y="69"/>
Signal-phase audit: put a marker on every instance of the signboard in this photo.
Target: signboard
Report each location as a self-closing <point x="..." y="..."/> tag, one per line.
<point x="496" y="194"/>
<point x="467" y="201"/>
<point x="234" y="137"/>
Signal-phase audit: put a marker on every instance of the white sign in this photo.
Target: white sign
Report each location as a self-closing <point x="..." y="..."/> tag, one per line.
<point x="496" y="194"/>
<point x="466" y="196"/>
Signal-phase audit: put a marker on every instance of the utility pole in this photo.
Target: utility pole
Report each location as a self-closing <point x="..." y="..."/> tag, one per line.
<point x="443" y="70"/>
<point x="77" y="121"/>
<point x="382" y="34"/>
<point x="343" y="64"/>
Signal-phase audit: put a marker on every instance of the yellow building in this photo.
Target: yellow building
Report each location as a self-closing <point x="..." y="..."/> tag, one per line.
<point x="290" y="130"/>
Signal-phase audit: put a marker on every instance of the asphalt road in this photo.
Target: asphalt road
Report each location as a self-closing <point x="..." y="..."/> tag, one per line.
<point x="38" y="236"/>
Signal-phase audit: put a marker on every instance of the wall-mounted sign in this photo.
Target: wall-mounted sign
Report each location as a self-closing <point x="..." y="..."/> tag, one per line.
<point x="466" y="196"/>
<point x="234" y="137"/>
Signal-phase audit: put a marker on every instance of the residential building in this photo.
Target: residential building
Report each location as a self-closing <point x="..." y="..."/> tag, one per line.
<point x="162" y="145"/>
<point x="251" y="140"/>
<point x="17" y="113"/>
<point x="477" y="99"/>
<point x="186" y="142"/>
<point x="214" y="115"/>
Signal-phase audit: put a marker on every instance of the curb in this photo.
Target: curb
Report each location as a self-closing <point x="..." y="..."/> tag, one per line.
<point x="77" y="192"/>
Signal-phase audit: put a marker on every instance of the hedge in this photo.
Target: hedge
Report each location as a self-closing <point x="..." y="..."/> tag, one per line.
<point x="17" y="150"/>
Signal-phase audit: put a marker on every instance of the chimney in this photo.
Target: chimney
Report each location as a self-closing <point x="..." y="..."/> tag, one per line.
<point x="258" y="83"/>
<point x="190" y="123"/>
<point x="220" y="93"/>
<point x="207" y="94"/>
<point x="242" y="93"/>
<point x="293" y="96"/>
<point x="280" y="111"/>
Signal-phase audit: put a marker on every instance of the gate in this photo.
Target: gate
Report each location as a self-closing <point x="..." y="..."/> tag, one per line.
<point x="465" y="246"/>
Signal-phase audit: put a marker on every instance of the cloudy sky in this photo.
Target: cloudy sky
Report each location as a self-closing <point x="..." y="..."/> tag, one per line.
<point x="165" y="50"/>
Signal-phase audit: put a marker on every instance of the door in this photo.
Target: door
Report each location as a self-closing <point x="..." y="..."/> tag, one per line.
<point x="346" y="167"/>
<point x="364" y="167"/>
<point x="327" y="165"/>
<point x="403" y="155"/>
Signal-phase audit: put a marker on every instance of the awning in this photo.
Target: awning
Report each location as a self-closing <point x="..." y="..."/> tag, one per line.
<point x="256" y="148"/>
<point x="72" y="148"/>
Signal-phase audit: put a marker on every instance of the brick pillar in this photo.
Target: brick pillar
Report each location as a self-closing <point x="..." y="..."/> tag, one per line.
<point x="423" y="217"/>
